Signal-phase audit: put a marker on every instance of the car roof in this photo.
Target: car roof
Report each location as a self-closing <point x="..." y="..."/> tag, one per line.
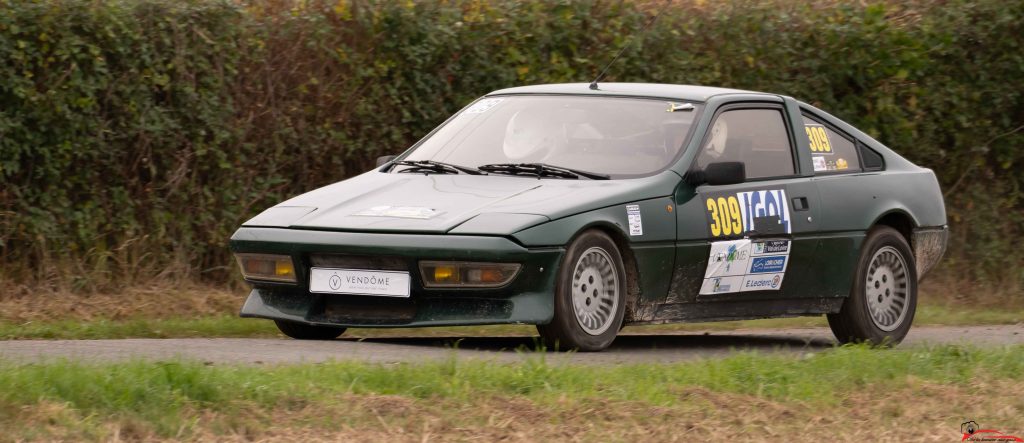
<point x="681" y="92"/>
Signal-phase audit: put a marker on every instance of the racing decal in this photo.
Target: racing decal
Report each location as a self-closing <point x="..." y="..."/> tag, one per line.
<point x="769" y="282"/>
<point x="770" y="247"/>
<point x="818" y="137"/>
<point x="482" y="106"/>
<point x="822" y="164"/>
<point x="737" y="214"/>
<point x="766" y="265"/>
<point x="745" y="265"/>
<point x="728" y="258"/>
<point x="636" y="224"/>
<point x="819" y="163"/>
<point x="721" y="285"/>
<point x="398" y="212"/>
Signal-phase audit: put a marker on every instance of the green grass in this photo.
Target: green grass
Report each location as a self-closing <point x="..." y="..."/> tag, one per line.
<point x="169" y="399"/>
<point x="232" y="326"/>
<point x="210" y="326"/>
<point x="949" y="314"/>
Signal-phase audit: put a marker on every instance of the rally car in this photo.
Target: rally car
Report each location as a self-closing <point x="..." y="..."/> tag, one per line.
<point x="583" y="208"/>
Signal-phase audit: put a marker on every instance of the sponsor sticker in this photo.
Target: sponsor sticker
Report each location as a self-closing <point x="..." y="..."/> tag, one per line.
<point x="765" y="282"/>
<point x="728" y="258"/>
<point x="484" y="105"/>
<point x="819" y="163"/>
<point x="768" y="264"/>
<point x="721" y="285"/>
<point x="398" y="212"/>
<point x="735" y="214"/>
<point x="636" y="224"/>
<point x="745" y="265"/>
<point x="771" y="247"/>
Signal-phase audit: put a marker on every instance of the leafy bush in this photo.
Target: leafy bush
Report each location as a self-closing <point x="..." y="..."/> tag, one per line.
<point x="136" y="135"/>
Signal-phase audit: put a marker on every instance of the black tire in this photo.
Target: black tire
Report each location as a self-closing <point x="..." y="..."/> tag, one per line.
<point x="855" y="323"/>
<point x="302" y="331"/>
<point x="565" y="332"/>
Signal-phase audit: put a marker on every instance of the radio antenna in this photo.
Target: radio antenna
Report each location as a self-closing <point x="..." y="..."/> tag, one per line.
<point x="593" y="84"/>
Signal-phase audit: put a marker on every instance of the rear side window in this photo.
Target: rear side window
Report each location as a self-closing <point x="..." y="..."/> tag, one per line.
<point x="830" y="150"/>
<point x="872" y="161"/>
<point x="756" y="137"/>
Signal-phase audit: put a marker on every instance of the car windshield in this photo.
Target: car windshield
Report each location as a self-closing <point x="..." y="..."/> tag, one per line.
<point x="613" y="136"/>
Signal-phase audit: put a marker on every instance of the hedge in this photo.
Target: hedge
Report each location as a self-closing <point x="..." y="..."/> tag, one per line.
<point x="135" y="135"/>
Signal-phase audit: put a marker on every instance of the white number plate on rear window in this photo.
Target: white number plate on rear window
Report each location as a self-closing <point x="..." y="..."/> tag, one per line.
<point x="359" y="282"/>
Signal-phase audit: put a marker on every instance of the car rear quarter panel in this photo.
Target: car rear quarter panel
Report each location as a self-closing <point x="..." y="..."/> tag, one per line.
<point x="856" y="201"/>
<point x="853" y="203"/>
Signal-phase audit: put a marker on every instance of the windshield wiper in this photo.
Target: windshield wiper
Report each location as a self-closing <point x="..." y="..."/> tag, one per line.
<point x="435" y="166"/>
<point x="541" y="170"/>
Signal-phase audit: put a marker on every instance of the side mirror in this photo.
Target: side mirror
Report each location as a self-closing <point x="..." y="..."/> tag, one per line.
<point x="720" y="173"/>
<point x="384" y="159"/>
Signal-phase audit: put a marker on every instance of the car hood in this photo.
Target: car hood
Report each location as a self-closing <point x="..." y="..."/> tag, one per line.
<point x="462" y="204"/>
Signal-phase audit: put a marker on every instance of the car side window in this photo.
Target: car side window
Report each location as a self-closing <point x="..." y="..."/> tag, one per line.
<point x="830" y="150"/>
<point x="755" y="137"/>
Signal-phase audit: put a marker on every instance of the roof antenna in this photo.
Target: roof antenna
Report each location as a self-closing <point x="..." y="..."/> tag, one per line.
<point x="593" y="84"/>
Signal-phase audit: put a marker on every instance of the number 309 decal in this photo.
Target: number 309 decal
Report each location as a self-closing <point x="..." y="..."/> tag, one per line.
<point x="735" y="214"/>
<point x="819" y="139"/>
<point x="726" y="218"/>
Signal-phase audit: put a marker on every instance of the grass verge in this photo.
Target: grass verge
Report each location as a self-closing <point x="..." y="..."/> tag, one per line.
<point x="849" y="393"/>
<point x="203" y="311"/>
<point x="226" y="325"/>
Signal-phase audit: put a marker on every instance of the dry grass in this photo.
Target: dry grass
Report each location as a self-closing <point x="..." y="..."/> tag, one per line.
<point x="192" y="310"/>
<point x="870" y="414"/>
<point x="155" y="302"/>
<point x="165" y="300"/>
<point x="952" y="290"/>
<point x="934" y="415"/>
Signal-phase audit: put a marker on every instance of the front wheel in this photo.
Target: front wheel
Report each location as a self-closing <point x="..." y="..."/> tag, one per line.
<point x="302" y="331"/>
<point x="883" y="299"/>
<point x="589" y="295"/>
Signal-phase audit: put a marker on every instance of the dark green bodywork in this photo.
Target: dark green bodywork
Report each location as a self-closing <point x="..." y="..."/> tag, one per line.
<point x="530" y="221"/>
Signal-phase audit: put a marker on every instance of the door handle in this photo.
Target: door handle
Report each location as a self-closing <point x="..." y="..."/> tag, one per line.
<point x="800" y="204"/>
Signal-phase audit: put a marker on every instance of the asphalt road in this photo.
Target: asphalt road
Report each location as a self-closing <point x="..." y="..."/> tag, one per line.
<point x="628" y="348"/>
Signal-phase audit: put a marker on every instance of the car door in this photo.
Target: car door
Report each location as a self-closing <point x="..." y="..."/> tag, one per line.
<point x="749" y="240"/>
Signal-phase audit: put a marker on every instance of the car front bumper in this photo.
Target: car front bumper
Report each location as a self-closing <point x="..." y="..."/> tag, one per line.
<point x="527" y="299"/>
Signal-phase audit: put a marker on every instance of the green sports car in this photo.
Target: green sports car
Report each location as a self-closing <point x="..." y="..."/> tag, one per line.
<point x="583" y="208"/>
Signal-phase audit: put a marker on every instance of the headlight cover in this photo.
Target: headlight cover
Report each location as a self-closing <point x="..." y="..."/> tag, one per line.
<point x="451" y="274"/>
<point x="267" y="267"/>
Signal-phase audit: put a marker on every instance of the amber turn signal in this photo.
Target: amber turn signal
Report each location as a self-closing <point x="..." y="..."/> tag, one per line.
<point x="443" y="274"/>
<point x="267" y="267"/>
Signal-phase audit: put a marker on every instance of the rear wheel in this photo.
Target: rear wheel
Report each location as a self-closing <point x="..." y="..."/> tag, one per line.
<point x="589" y="296"/>
<point x="302" y="331"/>
<point x="883" y="299"/>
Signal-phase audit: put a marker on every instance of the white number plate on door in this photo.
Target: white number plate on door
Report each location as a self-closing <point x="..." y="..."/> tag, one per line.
<point x="359" y="282"/>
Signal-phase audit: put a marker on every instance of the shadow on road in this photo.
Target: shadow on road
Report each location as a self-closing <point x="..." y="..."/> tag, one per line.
<point x="622" y="344"/>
